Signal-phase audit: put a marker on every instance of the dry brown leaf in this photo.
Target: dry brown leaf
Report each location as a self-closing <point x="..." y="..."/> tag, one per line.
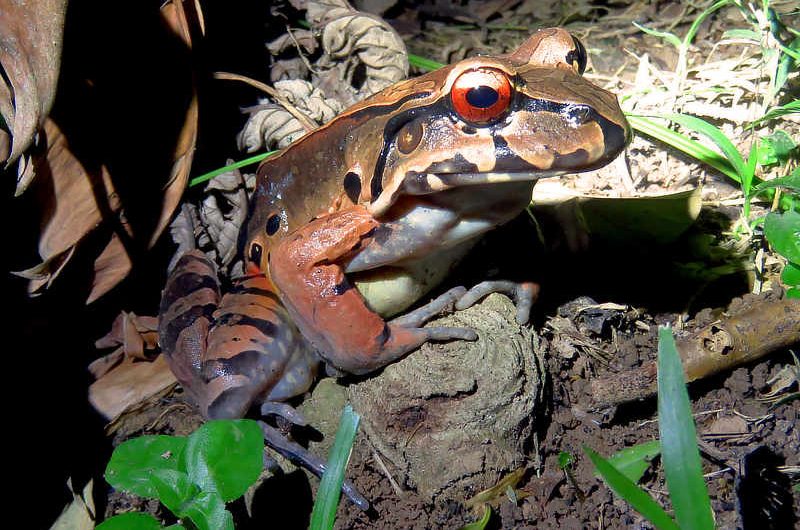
<point x="67" y="196"/>
<point x="30" y="54"/>
<point x="134" y="333"/>
<point x="100" y="367"/>
<point x="126" y="208"/>
<point x="176" y="17"/>
<point x="129" y="384"/>
<point x="728" y="427"/>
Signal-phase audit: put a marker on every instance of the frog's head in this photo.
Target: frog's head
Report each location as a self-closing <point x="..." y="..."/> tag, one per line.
<point x="521" y="116"/>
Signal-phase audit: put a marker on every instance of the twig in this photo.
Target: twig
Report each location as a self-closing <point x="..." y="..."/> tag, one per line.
<point x="304" y="120"/>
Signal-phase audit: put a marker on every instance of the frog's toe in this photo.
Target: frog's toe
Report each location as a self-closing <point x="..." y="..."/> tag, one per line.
<point x="523" y="294"/>
<point x="443" y="333"/>
<point x="285" y="411"/>
<point x="439" y="305"/>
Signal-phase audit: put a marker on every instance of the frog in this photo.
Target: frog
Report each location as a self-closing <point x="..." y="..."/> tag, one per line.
<point x="359" y="219"/>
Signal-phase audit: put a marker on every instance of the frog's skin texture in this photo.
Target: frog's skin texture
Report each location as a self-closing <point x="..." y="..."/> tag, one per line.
<point x="387" y="197"/>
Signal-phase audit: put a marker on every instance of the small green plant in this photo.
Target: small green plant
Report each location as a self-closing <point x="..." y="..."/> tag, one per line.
<point x="679" y="453"/>
<point x="193" y="476"/>
<point x="323" y="514"/>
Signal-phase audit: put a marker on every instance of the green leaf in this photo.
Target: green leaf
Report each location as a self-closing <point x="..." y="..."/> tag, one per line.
<point x="633" y="461"/>
<point x="791" y="275"/>
<point x="793" y="293"/>
<point x="683" y="143"/>
<point x="636" y="497"/>
<point x="330" y="487"/>
<point x="790" y="181"/>
<point x="225" y="456"/>
<point x="744" y="34"/>
<point x="481" y="523"/>
<point x="667" y="36"/>
<point x="775" y="148"/>
<point x="700" y="18"/>
<point x="715" y="135"/>
<point x="131" y="521"/>
<point x="792" y="107"/>
<point x="565" y="460"/>
<point x="175" y="489"/>
<point x="207" y="511"/>
<point x="133" y="462"/>
<point x="782" y="230"/>
<point x="679" y="453"/>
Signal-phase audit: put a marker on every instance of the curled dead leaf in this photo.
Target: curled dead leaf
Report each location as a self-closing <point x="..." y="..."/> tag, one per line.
<point x="272" y="126"/>
<point x="30" y="55"/>
<point x="223" y="224"/>
<point x="368" y="39"/>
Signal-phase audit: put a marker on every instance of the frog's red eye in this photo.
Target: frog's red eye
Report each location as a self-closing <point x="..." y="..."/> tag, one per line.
<point x="481" y="96"/>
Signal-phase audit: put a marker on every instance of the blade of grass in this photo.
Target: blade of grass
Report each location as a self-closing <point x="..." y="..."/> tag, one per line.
<point x="680" y="142"/>
<point x="715" y="135"/>
<point x="622" y="486"/>
<point x="679" y="454"/>
<point x="330" y="487"/>
<point x="423" y="63"/>
<point x="205" y="177"/>
<point x="793" y="107"/>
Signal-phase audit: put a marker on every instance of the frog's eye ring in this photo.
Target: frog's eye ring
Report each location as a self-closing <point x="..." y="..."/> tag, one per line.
<point x="481" y="96"/>
<point x="577" y="56"/>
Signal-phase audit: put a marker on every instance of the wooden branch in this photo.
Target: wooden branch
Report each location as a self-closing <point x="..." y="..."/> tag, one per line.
<point x="765" y="327"/>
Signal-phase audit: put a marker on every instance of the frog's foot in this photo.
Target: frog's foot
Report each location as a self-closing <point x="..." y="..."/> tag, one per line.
<point x="443" y="303"/>
<point x="524" y="295"/>
<point x="285" y="411"/>
<point x="301" y="456"/>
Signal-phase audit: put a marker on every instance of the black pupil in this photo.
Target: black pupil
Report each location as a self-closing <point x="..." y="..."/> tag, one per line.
<point x="482" y="97"/>
<point x="273" y="223"/>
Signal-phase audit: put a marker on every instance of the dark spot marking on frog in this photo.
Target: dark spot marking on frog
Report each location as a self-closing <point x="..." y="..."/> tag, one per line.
<point x="170" y="333"/>
<point x="252" y="363"/>
<point x="267" y="328"/>
<point x="577" y="158"/>
<point x="341" y="287"/>
<point x="381" y="233"/>
<point x="383" y="337"/>
<point x="457" y="164"/>
<point x="255" y="291"/>
<point x="352" y="186"/>
<point x="507" y="158"/>
<point x="185" y="283"/>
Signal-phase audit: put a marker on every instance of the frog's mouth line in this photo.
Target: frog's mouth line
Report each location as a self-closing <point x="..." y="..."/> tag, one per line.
<point x="427" y="183"/>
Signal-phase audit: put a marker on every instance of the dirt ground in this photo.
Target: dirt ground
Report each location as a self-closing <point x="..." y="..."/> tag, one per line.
<point x="650" y="283"/>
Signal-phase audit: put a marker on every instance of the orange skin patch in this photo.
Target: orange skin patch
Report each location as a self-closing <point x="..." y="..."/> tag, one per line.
<point x="306" y="267"/>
